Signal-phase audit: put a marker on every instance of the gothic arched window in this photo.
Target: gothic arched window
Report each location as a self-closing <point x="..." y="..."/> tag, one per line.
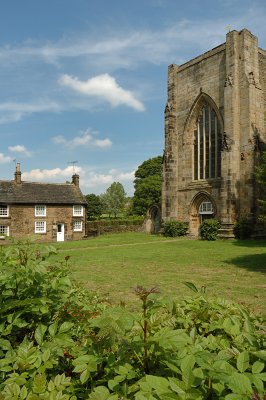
<point x="207" y="145"/>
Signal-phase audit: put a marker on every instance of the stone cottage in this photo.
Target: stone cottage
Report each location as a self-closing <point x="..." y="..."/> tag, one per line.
<point x="51" y="212"/>
<point x="214" y="134"/>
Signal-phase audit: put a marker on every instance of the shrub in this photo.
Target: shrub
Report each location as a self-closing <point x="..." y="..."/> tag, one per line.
<point x="243" y="229"/>
<point x="77" y="348"/>
<point x="209" y="229"/>
<point x="175" y="228"/>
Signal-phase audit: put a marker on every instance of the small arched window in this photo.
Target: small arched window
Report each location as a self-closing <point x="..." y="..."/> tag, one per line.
<point x="207" y="145"/>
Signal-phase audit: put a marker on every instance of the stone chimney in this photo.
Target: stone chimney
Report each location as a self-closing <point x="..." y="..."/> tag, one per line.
<point x="75" y="179"/>
<point x="18" y="174"/>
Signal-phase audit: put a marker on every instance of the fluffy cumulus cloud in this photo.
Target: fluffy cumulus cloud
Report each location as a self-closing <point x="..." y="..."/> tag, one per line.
<point x="85" y="139"/>
<point x="91" y="181"/>
<point x="95" y="182"/>
<point x="50" y="175"/>
<point x="5" y="159"/>
<point x="104" y="87"/>
<point x="21" y="149"/>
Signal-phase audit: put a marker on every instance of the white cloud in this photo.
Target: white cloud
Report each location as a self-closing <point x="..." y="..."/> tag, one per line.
<point x="12" y="111"/>
<point x="99" y="182"/>
<point x="104" y="87"/>
<point x="48" y="175"/>
<point x="123" y="176"/>
<point x="5" y="159"/>
<point x="85" y="139"/>
<point x="124" y="49"/>
<point x="90" y="180"/>
<point x="20" y="149"/>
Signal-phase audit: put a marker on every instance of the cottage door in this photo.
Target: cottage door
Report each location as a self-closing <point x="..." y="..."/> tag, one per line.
<point x="60" y="232"/>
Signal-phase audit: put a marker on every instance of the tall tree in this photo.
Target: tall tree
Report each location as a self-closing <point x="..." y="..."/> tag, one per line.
<point x="94" y="207"/>
<point x="148" y="185"/>
<point x="114" y="199"/>
<point x="261" y="179"/>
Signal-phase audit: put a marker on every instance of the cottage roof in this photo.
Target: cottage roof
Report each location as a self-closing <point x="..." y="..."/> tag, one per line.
<point x="40" y="193"/>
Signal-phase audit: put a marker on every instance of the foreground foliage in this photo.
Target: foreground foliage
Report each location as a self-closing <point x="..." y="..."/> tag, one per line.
<point x="209" y="229"/>
<point x="261" y="180"/>
<point x="243" y="229"/>
<point x="175" y="228"/>
<point x="60" y="342"/>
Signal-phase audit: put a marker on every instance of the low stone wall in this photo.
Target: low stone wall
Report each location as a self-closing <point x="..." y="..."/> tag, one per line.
<point x="96" y="228"/>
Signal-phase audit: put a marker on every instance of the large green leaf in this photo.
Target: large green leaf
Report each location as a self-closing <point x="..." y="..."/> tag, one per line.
<point x="242" y="361"/>
<point x="187" y="365"/>
<point x="39" y="333"/>
<point x="240" y="384"/>
<point x="191" y="286"/>
<point x="65" y="327"/>
<point x="257" y="367"/>
<point x="102" y="393"/>
<point x="169" y="338"/>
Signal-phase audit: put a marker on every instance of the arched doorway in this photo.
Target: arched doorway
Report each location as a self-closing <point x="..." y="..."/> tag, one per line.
<point x="202" y="208"/>
<point x="153" y="219"/>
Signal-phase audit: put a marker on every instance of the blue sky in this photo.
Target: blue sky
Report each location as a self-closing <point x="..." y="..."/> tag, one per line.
<point x="86" y="81"/>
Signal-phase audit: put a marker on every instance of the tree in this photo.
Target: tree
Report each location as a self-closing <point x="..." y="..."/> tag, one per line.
<point x="114" y="199"/>
<point x="261" y="179"/>
<point x="95" y="206"/>
<point x="148" y="185"/>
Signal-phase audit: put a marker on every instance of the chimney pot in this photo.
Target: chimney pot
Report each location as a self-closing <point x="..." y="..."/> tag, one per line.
<point x="18" y="174"/>
<point x="75" y="180"/>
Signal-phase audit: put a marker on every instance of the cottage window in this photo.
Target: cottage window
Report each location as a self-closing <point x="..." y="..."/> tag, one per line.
<point x="40" y="211"/>
<point x="77" y="226"/>
<point x="4" y="230"/>
<point x="77" y="211"/>
<point x="207" y="145"/>
<point x="40" y="226"/>
<point x="4" y="210"/>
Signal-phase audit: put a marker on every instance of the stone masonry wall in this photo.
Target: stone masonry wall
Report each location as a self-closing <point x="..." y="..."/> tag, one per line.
<point x="22" y="222"/>
<point x="204" y="75"/>
<point x="262" y="69"/>
<point x="232" y="79"/>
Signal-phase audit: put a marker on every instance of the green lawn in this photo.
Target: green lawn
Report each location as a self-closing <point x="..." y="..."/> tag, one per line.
<point x="115" y="264"/>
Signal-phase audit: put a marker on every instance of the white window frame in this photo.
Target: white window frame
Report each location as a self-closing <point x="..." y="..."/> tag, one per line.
<point x="4" y="207"/>
<point x="6" y="229"/>
<point x="40" y="210"/>
<point x="38" y="225"/>
<point x="79" y="228"/>
<point x="206" y="207"/>
<point x="78" y="210"/>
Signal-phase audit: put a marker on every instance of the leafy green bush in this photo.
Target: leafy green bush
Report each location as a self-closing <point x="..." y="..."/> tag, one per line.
<point x="79" y="348"/>
<point x="243" y="229"/>
<point x="175" y="228"/>
<point x="209" y="229"/>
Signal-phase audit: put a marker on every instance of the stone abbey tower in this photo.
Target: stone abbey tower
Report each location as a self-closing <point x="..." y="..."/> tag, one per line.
<point x="214" y="134"/>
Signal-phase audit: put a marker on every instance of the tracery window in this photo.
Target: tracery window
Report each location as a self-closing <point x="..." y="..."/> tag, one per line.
<point x="207" y="145"/>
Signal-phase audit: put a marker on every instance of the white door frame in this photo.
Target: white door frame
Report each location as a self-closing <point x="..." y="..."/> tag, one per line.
<point x="60" y="236"/>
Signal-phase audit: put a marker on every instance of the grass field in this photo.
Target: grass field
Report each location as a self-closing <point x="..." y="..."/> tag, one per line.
<point x="115" y="264"/>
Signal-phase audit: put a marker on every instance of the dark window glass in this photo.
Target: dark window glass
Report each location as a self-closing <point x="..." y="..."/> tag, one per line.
<point x="196" y="154"/>
<point x="207" y="145"/>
